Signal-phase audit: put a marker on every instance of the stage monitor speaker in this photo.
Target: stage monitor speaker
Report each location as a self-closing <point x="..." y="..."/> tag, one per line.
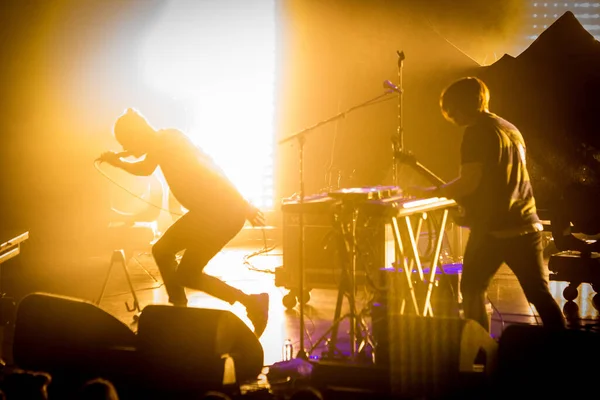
<point x="54" y="332"/>
<point x="192" y="345"/>
<point x="322" y="265"/>
<point x="543" y="361"/>
<point x="433" y="355"/>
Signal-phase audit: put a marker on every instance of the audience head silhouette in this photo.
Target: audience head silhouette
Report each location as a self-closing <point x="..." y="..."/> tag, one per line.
<point x="98" y="389"/>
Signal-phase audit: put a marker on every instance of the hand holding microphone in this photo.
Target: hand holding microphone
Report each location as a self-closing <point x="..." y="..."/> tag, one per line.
<point x="112" y="157"/>
<point x="255" y="216"/>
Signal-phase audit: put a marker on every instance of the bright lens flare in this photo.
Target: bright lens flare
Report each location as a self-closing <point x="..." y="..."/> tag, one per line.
<point x="218" y="58"/>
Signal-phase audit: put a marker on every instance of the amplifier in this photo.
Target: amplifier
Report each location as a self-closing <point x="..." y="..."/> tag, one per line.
<point x="323" y="249"/>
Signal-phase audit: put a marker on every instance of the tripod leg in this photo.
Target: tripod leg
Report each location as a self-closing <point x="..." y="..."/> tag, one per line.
<point x="355" y="334"/>
<point x="334" y="326"/>
<point x="136" y="304"/>
<point x="336" y="316"/>
<point x="105" y="281"/>
<point x="366" y="339"/>
<point x="344" y="283"/>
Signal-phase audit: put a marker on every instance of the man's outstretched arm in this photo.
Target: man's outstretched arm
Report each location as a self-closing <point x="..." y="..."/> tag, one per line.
<point x="464" y="185"/>
<point x="143" y="167"/>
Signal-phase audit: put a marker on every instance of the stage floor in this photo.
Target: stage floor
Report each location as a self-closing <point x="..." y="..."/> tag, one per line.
<point x="245" y="265"/>
<point x="256" y="275"/>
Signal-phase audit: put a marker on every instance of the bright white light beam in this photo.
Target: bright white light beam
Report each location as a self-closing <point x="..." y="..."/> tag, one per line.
<point x="218" y="58"/>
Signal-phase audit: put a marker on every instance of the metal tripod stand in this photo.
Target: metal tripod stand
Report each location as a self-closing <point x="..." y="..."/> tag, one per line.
<point x="118" y="256"/>
<point x="301" y="138"/>
<point x="359" y="332"/>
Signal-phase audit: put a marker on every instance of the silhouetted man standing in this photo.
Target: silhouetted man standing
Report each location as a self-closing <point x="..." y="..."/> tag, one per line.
<point x="216" y="211"/>
<point x="494" y="189"/>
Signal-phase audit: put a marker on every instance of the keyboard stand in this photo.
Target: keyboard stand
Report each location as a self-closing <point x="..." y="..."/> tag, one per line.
<point x="407" y="252"/>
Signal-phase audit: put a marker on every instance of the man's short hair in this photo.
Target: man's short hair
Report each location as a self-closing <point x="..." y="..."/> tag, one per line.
<point x="468" y="95"/>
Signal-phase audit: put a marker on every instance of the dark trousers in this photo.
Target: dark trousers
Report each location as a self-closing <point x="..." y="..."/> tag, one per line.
<point x="484" y="255"/>
<point x="202" y="235"/>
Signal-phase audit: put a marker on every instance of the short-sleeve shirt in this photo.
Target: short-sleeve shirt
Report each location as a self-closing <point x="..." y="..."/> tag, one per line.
<point x="504" y="198"/>
<point x="193" y="177"/>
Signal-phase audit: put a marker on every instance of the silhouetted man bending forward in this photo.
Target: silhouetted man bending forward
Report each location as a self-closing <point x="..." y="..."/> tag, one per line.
<point x="216" y="211"/>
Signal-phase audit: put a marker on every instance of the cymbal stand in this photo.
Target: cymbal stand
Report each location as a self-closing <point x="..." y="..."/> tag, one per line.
<point x="301" y="138"/>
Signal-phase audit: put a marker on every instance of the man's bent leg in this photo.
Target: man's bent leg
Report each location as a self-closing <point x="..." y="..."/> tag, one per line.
<point x="167" y="265"/>
<point x="525" y="258"/>
<point x="481" y="261"/>
<point x="190" y="274"/>
<point x="164" y="252"/>
<point x="208" y="243"/>
<point x="207" y="237"/>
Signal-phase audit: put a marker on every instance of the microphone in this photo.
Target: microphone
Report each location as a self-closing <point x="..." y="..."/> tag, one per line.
<point x="389" y="85"/>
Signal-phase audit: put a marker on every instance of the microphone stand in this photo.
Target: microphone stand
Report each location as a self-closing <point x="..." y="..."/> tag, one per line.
<point x="301" y="138"/>
<point x="397" y="139"/>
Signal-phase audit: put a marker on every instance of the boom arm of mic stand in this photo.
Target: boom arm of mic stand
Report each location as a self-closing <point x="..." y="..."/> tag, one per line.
<point x="335" y="117"/>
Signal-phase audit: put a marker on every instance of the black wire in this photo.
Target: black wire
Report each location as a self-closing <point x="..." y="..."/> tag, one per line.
<point x="537" y="322"/>
<point x="137" y="290"/>
<point x="306" y="332"/>
<point x="97" y="165"/>
<point x="265" y="249"/>
<point x="494" y="308"/>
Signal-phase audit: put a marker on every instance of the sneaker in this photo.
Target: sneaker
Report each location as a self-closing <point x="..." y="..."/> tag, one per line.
<point x="258" y="312"/>
<point x="179" y="303"/>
